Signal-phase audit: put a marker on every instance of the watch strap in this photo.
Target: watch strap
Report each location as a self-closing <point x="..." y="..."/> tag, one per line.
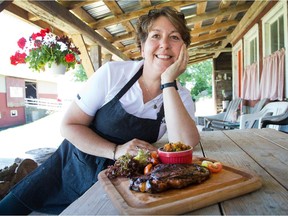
<point x="170" y="84"/>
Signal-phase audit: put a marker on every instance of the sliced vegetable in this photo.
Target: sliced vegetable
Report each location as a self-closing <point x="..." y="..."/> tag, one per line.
<point x="142" y="157"/>
<point x="205" y="163"/>
<point x="154" y="158"/>
<point x="148" y="169"/>
<point x="213" y="167"/>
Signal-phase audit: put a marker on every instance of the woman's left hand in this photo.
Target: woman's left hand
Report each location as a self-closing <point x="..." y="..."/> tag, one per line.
<point x="132" y="147"/>
<point x="177" y="68"/>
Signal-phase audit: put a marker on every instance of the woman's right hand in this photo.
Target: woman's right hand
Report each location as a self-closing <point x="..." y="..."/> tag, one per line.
<point x="177" y="68"/>
<point x="132" y="147"/>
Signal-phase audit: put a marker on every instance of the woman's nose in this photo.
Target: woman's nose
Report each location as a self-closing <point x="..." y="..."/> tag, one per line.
<point x="164" y="43"/>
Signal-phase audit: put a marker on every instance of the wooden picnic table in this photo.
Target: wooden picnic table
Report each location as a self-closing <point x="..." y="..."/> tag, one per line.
<point x="261" y="151"/>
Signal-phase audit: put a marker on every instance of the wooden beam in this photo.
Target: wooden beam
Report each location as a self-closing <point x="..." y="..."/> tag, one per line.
<point x="208" y="37"/>
<point x="197" y="60"/>
<point x="201" y="8"/>
<point x="248" y="18"/>
<point x="255" y="9"/>
<point x="117" y="11"/>
<point x="95" y="53"/>
<point x="145" y="3"/>
<point x="4" y="4"/>
<point x="214" y="27"/>
<point x="107" y="58"/>
<point x="212" y="50"/>
<point x="25" y="16"/>
<point x="86" y="60"/>
<point x="71" y="5"/>
<point x="216" y="13"/>
<point x="135" y="14"/>
<point x="57" y="15"/>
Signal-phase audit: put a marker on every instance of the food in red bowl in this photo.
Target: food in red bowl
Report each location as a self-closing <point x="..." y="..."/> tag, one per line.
<point x="175" y="153"/>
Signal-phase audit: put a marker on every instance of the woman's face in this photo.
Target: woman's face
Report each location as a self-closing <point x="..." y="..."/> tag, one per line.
<point x="162" y="46"/>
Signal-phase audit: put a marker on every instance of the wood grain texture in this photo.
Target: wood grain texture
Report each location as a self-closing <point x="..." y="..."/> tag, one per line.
<point x="221" y="186"/>
<point x="259" y="151"/>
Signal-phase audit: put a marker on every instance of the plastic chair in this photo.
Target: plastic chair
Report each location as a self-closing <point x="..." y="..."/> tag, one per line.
<point x="260" y="105"/>
<point x="281" y="121"/>
<point x="255" y="119"/>
<point x="216" y="121"/>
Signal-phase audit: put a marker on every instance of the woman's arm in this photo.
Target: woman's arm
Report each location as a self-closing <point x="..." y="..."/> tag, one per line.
<point x="180" y="125"/>
<point x="75" y="128"/>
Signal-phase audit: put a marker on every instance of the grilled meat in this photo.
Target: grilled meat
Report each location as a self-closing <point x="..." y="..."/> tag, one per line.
<point x="166" y="176"/>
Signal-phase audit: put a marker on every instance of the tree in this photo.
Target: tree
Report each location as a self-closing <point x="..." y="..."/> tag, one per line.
<point x="199" y="78"/>
<point x="79" y="74"/>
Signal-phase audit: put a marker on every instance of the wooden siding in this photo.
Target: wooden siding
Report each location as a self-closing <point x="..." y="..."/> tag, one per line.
<point x="6" y="120"/>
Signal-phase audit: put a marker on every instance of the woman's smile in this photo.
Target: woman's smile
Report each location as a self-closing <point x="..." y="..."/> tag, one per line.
<point x="163" y="45"/>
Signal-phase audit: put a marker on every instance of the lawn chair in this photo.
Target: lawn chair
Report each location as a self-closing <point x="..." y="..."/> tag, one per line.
<point x="219" y="121"/>
<point x="260" y="105"/>
<point x="280" y="121"/>
<point x="254" y="120"/>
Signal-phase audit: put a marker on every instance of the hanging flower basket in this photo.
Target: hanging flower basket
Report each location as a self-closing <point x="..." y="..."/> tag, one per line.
<point x="58" y="69"/>
<point x="43" y="49"/>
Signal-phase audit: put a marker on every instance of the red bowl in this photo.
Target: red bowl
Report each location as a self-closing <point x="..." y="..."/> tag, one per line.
<point x="180" y="157"/>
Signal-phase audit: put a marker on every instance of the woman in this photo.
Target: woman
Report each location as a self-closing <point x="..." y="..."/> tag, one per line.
<point x="120" y="110"/>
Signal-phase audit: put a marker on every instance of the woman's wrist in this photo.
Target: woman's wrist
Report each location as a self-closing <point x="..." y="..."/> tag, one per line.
<point x="169" y="84"/>
<point x="114" y="152"/>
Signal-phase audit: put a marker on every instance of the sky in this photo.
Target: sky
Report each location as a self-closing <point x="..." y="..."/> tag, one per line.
<point x="9" y="37"/>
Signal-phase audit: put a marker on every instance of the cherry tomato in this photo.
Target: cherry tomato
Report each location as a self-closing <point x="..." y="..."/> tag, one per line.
<point x="213" y="167"/>
<point x="148" y="168"/>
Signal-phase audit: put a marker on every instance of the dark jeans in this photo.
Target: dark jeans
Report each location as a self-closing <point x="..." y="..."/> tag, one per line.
<point x="10" y="205"/>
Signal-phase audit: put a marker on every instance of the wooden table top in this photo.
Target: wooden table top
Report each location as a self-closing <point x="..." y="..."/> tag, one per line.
<point x="261" y="151"/>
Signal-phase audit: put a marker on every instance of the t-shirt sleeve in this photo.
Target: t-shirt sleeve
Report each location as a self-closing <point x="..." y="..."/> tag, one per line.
<point x="92" y="95"/>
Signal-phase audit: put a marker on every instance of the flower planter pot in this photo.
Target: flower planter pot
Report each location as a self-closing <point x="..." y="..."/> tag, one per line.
<point x="55" y="69"/>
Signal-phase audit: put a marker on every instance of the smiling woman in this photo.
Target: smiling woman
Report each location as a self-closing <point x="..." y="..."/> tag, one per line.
<point x="113" y="96"/>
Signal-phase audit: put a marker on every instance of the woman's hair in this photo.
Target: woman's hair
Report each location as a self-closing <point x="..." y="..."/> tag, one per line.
<point x="176" y="18"/>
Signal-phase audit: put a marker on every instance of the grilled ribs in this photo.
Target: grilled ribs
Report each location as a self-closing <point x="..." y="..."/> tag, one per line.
<point x="166" y="176"/>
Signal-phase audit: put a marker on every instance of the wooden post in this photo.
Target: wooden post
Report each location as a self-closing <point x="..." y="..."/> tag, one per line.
<point x="95" y="54"/>
<point x="86" y="60"/>
<point x="107" y="57"/>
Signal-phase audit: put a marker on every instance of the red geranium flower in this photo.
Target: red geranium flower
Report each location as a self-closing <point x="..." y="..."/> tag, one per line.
<point x="70" y="57"/>
<point x="43" y="48"/>
<point x="21" y="42"/>
<point x="18" y="58"/>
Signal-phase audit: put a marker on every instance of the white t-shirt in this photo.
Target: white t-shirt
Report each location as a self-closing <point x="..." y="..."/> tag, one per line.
<point x="110" y="78"/>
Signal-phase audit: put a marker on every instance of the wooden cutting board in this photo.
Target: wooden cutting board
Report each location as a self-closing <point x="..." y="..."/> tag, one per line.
<point x="228" y="183"/>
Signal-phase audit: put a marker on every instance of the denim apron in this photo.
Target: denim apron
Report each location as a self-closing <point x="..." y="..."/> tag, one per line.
<point x="68" y="173"/>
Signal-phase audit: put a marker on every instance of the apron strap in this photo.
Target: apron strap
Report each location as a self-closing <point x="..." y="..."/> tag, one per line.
<point x="129" y="84"/>
<point x="160" y="114"/>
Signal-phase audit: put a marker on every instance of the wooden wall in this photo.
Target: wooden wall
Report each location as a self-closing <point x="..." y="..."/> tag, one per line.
<point x="222" y="78"/>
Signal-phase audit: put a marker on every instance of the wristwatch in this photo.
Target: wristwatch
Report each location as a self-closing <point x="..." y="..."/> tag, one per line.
<point x="170" y="84"/>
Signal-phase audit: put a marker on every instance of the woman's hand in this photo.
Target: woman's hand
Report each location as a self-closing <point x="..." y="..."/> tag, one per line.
<point x="177" y="68"/>
<point x="132" y="147"/>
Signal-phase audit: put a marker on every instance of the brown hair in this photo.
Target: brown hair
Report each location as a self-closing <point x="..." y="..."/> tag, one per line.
<point x="175" y="17"/>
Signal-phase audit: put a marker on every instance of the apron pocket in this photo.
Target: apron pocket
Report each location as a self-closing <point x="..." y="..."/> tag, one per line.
<point x="78" y="176"/>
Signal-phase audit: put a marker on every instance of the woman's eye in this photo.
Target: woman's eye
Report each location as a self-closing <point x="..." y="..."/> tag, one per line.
<point x="155" y="36"/>
<point x="175" y="37"/>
